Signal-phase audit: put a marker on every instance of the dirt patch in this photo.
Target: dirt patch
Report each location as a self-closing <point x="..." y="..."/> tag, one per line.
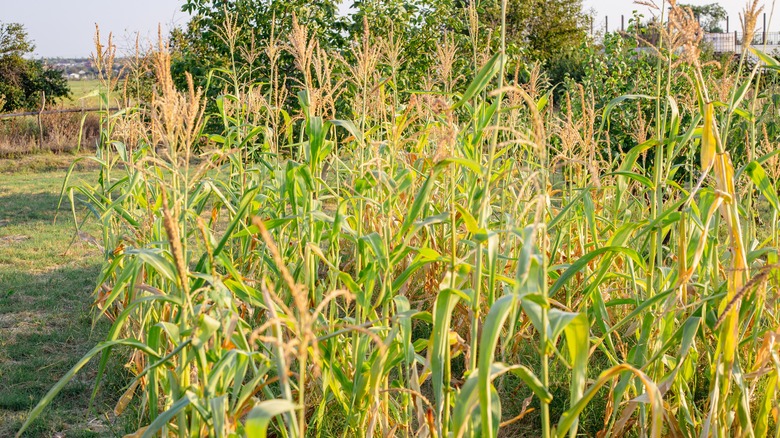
<point x="12" y="239"/>
<point x="22" y="322"/>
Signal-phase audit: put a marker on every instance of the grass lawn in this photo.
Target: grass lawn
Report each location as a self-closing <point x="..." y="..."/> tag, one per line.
<point x="45" y="314"/>
<point x="80" y="89"/>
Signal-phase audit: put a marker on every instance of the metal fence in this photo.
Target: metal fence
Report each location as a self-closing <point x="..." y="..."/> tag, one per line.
<point x="721" y="42"/>
<point x="732" y="42"/>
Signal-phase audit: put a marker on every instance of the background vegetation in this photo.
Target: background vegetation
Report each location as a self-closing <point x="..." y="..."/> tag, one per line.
<point x="23" y="80"/>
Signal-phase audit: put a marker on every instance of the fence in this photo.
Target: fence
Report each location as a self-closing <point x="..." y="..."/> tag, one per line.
<point x="23" y="139"/>
<point x="720" y="42"/>
<point x="732" y="42"/>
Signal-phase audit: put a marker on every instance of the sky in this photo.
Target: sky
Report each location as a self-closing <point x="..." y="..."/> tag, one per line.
<point x="65" y="28"/>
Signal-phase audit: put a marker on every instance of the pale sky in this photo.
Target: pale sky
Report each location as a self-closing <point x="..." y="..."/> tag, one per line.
<point x="65" y="27"/>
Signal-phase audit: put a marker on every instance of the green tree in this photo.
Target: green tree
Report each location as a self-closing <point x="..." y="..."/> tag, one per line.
<point x="419" y="24"/>
<point x="710" y="16"/>
<point x="14" y="40"/>
<point x="22" y="80"/>
<point x="233" y="35"/>
<point x="543" y="29"/>
<point x="537" y="30"/>
<point x="554" y="28"/>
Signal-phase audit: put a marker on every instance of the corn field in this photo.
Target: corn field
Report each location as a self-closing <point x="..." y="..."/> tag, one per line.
<point x="472" y="259"/>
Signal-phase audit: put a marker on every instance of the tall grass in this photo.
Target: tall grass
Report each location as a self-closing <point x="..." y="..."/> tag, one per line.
<point x="61" y="133"/>
<point x="417" y="263"/>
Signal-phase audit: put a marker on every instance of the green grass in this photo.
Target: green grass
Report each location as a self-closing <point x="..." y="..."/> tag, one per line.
<point x="45" y="316"/>
<point x="79" y="90"/>
<point x="42" y="163"/>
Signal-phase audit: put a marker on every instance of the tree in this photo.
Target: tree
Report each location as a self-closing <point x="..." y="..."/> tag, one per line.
<point x="555" y="28"/>
<point x="709" y="16"/>
<point x="226" y="34"/>
<point x="541" y="30"/>
<point x="419" y="24"/>
<point x="225" y="44"/>
<point x="544" y="29"/>
<point x="536" y="30"/>
<point x="22" y="80"/>
<point x="14" y="40"/>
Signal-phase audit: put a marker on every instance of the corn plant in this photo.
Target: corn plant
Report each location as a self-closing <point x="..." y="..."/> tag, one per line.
<point x="410" y="266"/>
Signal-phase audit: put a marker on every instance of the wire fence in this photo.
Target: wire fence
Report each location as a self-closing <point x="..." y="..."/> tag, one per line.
<point x="733" y="41"/>
<point x="57" y="111"/>
<point x="719" y="42"/>
<point x="14" y="136"/>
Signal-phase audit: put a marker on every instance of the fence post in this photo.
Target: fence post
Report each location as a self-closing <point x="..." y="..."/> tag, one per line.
<point x="727" y="24"/>
<point x="622" y="23"/>
<point x="736" y="45"/>
<point x="81" y="126"/>
<point x="40" y="121"/>
<point x="764" y="33"/>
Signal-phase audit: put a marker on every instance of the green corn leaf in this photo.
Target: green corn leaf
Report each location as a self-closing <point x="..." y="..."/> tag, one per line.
<point x="47" y="399"/>
<point x="374" y="240"/>
<point x="261" y="415"/>
<point x="465" y="415"/>
<point x="576" y="330"/>
<point x="641" y="179"/>
<point x="440" y="339"/>
<point x="491" y="332"/>
<point x="617" y="101"/>
<point x="587" y="258"/>
<point x="765" y="186"/>
<point x="155" y="259"/>
<point x="165" y="417"/>
<point x="316" y="129"/>
<point x="571" y="415"/>
<point x="529" y="378"/>
<point x="768" y="61"/>
<point x="419" y="202"/>
<point x="207" y="326"/>
<point x="767" y="403"/>
<point x="350" y="126"/>
<point x="483" y="78"/>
